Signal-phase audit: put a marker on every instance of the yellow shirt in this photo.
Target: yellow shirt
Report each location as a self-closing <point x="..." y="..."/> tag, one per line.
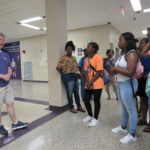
<point x="68" y="64"/>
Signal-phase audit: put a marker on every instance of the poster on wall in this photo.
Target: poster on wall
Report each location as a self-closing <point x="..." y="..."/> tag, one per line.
<point x="14" y="52"/>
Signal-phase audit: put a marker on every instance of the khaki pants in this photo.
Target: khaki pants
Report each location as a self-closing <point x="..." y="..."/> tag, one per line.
<point x="6" y="95"/>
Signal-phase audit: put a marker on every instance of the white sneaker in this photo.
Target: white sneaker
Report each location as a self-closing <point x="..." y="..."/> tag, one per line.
<point x="119" y="130"/>
<point x="93" y="123"/>
<point x="87" y="119"/>
<point x="128" y="139"/>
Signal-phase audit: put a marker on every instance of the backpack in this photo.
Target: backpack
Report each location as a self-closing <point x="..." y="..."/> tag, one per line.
<point x="105" y="76"/>
<point x="139" y="69"/>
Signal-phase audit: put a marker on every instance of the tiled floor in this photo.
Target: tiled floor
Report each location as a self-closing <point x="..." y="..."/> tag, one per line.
<point x="66" y="131"/>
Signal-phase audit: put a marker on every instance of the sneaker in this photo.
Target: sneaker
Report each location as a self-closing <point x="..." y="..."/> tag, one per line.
<point x="19" y="125"/>
<point x="87" y="119"/>
<point x="3" y="131"/>
<point x="119" y="130"/>
<point x="94" y="122"/>
<point x="128" y="139"/>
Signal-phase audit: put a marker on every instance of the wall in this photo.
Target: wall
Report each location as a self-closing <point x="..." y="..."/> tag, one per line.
<point x="99" y="34"/>
<point x="114" y="35"/>
<point x="36" y="51"/>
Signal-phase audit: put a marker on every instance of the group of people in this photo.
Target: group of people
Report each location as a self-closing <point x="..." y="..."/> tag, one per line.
<point x="123" y="78"/>
<point x="90" y="70"/>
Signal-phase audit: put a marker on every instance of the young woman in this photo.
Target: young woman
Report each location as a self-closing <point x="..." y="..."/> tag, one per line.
<point x="69" y="70"/>
<point x="94" y="83"/>
<point x="146" y="53"/>
<point x="141" y="92"/>
<point x="125" y="69"/>
<point x="109" y="62"/>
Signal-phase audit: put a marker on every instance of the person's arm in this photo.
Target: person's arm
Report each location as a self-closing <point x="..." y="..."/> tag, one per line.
<point x="5" y="77"/>
<point x="132" y="60"/>
<point x="145" y="50"/>
<point x="10" y="70"/>
<point x="60" y="65"/>
<point x="96" y="76"/>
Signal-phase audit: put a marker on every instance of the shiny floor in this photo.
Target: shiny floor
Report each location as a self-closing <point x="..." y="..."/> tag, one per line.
<point x="66" y="131"/>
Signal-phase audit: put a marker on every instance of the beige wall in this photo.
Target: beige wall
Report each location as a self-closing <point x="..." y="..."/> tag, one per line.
<point x="103" y="35"/>
<point x="99" y="34"/>
<point x="114" y="36"/>
<point x="36" y="50"/>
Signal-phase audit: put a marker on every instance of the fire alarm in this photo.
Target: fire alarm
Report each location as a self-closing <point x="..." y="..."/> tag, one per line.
<point x="23" y="51"/>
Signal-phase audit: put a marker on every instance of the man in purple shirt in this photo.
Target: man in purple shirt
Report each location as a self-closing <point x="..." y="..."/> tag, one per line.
<point x="6" y="91"/>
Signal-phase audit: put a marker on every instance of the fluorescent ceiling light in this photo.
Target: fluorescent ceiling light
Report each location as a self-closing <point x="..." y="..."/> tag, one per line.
<point x="44" y="28"/>
<point x="136" y="4"/>
<point x="31" y="20"/>
<point x="30" y="26"/>
<point x="144" y="31"/>
<point x="146" y="10"/>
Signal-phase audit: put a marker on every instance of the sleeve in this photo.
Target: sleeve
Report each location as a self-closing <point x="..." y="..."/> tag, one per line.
<point x="86" y="65"/>
<point x="60" y="63"/>
<point x="148" y="52"/>
<point x="99" y="63"/>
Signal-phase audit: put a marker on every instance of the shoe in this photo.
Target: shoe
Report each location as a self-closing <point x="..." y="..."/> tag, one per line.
<point x="94" y="122"/>
<point x="87" y="119"/>
<point x="128" y="139"/>
<point x="19" y="125"/>
<point x="147" y="128"/>
<point x="3" y="131"/>
<point x="81" y="109"/>
<point x="119" y="130"/>
<point x="142" y="122"/>
<point x="73" y="110"/>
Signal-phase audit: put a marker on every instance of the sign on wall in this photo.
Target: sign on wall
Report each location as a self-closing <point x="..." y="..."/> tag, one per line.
<point x="13" y="50"/>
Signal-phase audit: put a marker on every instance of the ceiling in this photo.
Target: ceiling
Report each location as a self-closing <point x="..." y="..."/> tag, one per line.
<point x="80" y="14"/>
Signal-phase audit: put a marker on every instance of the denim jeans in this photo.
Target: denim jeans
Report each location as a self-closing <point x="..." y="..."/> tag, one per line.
<point x="83" y="82"/>
<point x="149" y="102"/>
<point x="71" y="82"/>
<point x="128" y="103"/>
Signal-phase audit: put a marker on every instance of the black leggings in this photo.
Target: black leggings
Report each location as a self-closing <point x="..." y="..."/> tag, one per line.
<point x="97" y="103"/>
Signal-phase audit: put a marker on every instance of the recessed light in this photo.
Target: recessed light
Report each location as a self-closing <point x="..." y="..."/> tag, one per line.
<point x="30" y="20"/>
<point x="146" y="10"/>
<point x="30" y="26"/>
<point x="136" y="4"/>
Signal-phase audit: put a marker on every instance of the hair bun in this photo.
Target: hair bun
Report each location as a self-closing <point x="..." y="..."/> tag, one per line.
<point x="70" y="43"/>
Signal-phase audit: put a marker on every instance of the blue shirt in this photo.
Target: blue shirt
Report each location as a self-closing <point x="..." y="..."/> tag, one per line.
<point x="146" y="63"/>
<point x="4" y="64"/>
<point x="81" y="64"/>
